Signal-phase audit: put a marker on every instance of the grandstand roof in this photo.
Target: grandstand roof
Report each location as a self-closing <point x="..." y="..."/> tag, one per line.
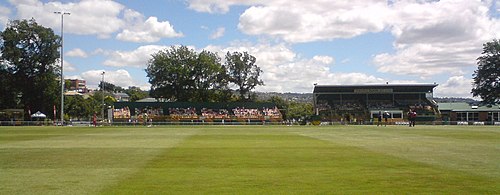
<point x="374" y="88"/>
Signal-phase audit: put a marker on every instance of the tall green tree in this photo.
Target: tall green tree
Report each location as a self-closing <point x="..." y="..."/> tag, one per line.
<point x="282" y="105"/>
<point x="181" y="74"/>
<point x="169" y="73"/>
<point x="77" y="107"/>
<point x="297" y="110"/>
<point x="487" y="76"/>
<point x="135" y="93"/>
<point x="8" y="90"/>
<point x="29" y="53"/>
<point x="210" y="79"/>
<point x="110" y="87"/>
<point x="243" y="72"/>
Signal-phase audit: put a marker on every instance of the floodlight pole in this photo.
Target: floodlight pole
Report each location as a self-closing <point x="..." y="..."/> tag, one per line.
<point x="102" y="90"/>
<point x="62" y="63"/>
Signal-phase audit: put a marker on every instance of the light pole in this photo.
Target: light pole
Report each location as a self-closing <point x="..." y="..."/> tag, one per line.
<point x="102" y="90"/>
<point x="62" y="63"/>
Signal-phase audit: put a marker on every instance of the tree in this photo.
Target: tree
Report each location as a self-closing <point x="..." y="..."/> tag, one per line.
<point x="110" y="87"/>
<point x="77" y="107"/>
<point x="487" y="76"/>
<point x="7" y="88"/>
<point x="29" y="55"/>
<point x="181" y="74"/>
<point x="210" y="79"/>
<point x="281" y="104"/>
<point x="135" y="93"/>
<point x="169" y="73"/>
<point x="243" y="72"/>
<point x="297" y="110"/>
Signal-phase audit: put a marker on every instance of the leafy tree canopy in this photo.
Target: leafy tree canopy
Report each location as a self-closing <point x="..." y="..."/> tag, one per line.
<point x="29" y="56"/>
<point x="243" y="72"/>
<point x="487" y="76"/>
<point x="182" y="74"/>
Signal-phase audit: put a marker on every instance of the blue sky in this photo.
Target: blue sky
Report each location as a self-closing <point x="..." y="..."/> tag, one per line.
<point x="297" y="43"/>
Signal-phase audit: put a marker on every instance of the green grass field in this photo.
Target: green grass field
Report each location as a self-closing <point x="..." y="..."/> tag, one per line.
<point x="250" y="160"/>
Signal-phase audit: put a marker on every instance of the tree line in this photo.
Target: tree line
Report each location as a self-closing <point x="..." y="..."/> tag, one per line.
<point x="182" y="74"/>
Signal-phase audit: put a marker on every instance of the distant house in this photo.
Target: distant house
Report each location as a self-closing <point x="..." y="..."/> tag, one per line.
<point x="464" y="112"/>
<point x="77" y="85"/>
<point x="121" y="97"/>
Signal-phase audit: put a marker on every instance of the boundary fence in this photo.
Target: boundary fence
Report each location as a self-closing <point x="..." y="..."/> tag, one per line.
<point x="89" y="123"/>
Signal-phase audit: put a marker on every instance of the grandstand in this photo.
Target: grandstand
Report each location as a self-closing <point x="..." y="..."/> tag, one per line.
<point x="195" y="112"/>
<point x="364" y="102"/>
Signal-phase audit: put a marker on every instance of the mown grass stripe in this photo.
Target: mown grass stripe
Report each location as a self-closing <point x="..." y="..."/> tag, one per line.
<point x="81" y="160"/>
<point x="232" y="161"/>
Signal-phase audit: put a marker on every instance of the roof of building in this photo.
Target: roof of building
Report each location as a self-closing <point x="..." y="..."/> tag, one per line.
<point x="147" y="100"/>
<point x="465" y="107"/>
<point x="121" y="95"/>
<point x="72" y="93"/>
<point x="412" y="87"/>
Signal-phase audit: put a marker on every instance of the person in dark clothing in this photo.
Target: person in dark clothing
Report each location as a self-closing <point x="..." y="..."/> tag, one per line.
<point x="386" y="117"/>
<point x="413" y="117"/>
<point x="379" y="122"/>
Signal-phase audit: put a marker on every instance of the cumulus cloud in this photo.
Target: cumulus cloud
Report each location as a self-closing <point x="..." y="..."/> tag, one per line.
<point x="77" y="52"/>
<point x="437" y="37"/>
<point x="88" y="17"/>
<point x="147" y="31"/>
<point x="455" y="86"/>
<point x="305" y="21"/>
<point x="136" y="58"/>
<point x="97" y="17"/>
<point x="119" y="77"/>
<point x="285" y="71"/>
<point x="218" y="33"/>
<point x="431" y="37"/>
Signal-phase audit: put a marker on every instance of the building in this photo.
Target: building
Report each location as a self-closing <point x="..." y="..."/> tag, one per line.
<point x="465" y="113"/>
<point x="77" y="85"/>
<point x="121" y="97"/>
<point x="365" y="102"/>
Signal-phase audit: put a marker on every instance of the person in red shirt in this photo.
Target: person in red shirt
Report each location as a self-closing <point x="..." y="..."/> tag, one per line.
<point x="94" y="120"/>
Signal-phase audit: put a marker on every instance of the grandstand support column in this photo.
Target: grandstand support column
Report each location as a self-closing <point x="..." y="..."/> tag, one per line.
<point x="315" y="105"/>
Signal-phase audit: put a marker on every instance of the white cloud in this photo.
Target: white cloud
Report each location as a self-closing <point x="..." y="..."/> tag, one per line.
<point x="77" y="52"/>
<point x="455" y="86"/>
<point x="136" y="58"/>
<point x="345" y="61"/>
<point x="437" y="37"/>
<point x="218" y="33"/>
<point x="431" y="37"/>
<point x="147" y="31"/>
<point x="88" y="17"/>
<point x="323" y="59"/>
<point x="68" y="67"/>
<point x="306" y="21"/>
<point x="218" y="6"/>
<point x="4" y="15"/>
<point x="120" y="78"/>
<point x="285" y="71"/>
<point x="97" y="17"/>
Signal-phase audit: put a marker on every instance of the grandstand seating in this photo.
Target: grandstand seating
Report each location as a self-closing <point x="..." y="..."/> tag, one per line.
<point x="203" y="112"/>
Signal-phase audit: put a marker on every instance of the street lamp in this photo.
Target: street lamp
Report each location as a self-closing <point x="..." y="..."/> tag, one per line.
<point x="62" y="63"/>
<point x="102" y="90"/>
